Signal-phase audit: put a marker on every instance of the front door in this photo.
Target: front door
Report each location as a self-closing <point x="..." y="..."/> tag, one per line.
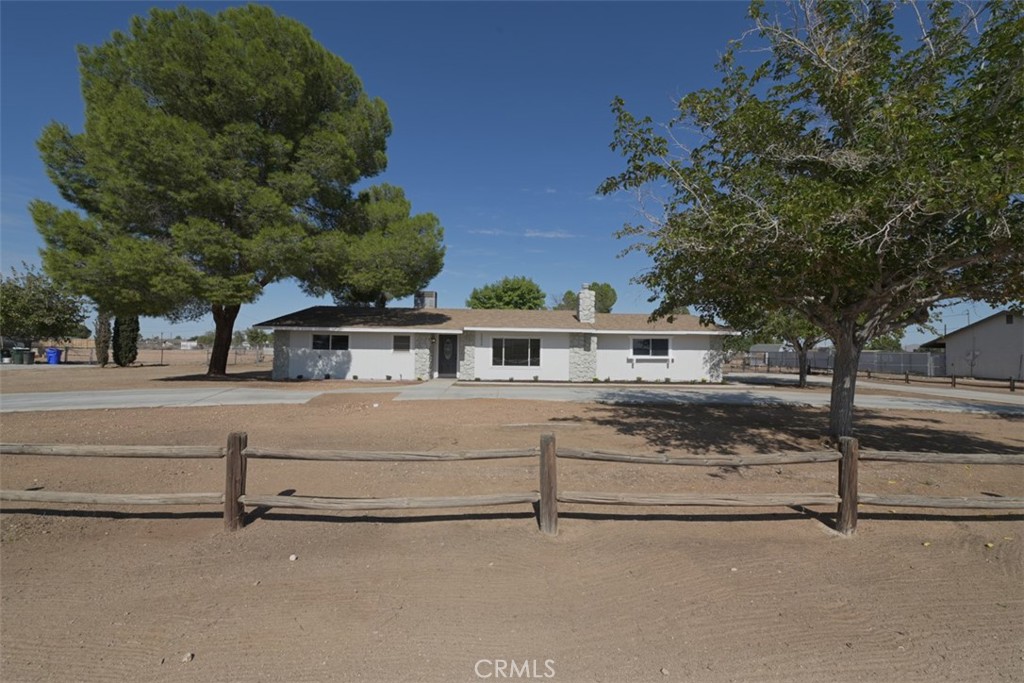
<point x="447" y="355"/>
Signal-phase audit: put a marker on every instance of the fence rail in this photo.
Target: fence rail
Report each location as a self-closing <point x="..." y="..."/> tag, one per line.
<point x="237" y="454"/>
<point x="365" y="456"/>
<point x="76" y="450"/>
<point x="705" y="460"/>
<point x="720" y="500"/>
<point x="114" y="498"/>
<point x="345" y="504"/>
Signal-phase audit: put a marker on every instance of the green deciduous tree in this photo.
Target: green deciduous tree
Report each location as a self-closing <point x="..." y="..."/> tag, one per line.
<point x="762" y="327"/>
<point x="887" y="342"/>
<point x="218" y="156"/>
<point x="853" y="177"/>
<point x="509" y="292"/>
<point x="33" y="307"/>
<point x="258" y="338"/>
<point x="604" y="298"/>
<point x="125" y="340"/>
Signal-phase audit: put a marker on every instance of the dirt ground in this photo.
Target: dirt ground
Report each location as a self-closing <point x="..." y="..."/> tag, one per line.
<point x="621" y="594"/>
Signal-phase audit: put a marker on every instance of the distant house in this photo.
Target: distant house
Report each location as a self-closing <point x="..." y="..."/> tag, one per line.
<point x="992" y="348"/>
<point x="426" y="342"/>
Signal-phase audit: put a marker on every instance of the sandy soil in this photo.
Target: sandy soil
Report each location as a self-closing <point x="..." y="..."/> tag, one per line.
<point x="621" y="594"/>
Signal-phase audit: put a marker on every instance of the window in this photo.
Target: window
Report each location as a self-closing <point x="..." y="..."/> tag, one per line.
<point x="658" y="348"/>
<point x="1009" y="318"/>
<point x="402" y="342"/>
<point x="330" y="342"/>
<point x="515" y="352"/>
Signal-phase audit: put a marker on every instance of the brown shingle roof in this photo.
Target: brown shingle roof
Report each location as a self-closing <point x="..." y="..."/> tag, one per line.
<point x="451" y="319"/>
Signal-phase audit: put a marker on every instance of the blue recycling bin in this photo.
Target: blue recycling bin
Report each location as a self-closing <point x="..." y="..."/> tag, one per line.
<point x="52" y="356"/>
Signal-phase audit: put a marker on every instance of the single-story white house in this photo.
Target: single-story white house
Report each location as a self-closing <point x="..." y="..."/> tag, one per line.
<point x="424" y="342"/>
<point x="992" y="348"/>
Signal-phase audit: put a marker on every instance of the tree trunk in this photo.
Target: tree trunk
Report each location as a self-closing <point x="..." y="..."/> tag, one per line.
<point x="844" y="383"/>
<point x="801" y="357"/>
<point x="224" y="326"/>
<point x="102" y="338"/>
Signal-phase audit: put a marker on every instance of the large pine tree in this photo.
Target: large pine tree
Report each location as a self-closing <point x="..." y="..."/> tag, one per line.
<point x="218" y="157"/>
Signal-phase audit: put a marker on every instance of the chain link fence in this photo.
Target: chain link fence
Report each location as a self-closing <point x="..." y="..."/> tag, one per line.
<point x="893" y="362"/>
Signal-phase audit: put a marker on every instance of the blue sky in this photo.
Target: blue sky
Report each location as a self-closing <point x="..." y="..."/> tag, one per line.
<point x="501" y="124"/>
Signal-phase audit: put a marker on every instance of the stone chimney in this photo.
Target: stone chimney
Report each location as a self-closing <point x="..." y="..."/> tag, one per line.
<point x="424" y="300"/>
<point x="586" y="308"/>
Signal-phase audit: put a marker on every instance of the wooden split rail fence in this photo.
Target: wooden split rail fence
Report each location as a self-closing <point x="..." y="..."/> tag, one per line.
<point x="237" y="453"/>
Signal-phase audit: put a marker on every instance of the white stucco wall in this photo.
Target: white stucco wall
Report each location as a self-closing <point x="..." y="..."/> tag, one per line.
<point x="691" y="358"/>
<point x="554" y="357"/>
<point x="282" y="351"/>
<point x="997" y="349"/>
<point x="369" y="356"/>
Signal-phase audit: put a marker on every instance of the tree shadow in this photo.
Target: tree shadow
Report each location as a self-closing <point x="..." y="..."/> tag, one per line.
<point x="770" y="428"/>
<point x="246" y="376"/>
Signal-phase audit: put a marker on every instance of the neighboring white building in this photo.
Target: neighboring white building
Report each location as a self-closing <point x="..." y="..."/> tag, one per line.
<point x="422" y="343"/>
<point x="992" y="348"/>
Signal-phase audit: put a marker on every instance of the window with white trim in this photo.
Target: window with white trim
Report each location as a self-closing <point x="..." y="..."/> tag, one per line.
<point x="330" y="342"/>
<point x="507" y="351"/>
<point x="401" y="342"/>
<point x="651" y="347"/>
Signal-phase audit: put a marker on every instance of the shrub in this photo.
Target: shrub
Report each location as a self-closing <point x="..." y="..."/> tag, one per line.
<point x="125" y="341"/>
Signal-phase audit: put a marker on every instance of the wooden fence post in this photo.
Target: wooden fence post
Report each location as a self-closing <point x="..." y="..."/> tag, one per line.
<point x="846" y="517"/>
<point x="906" y="378"/>
<point x="548" y="485"/>
<point x="234" y="481"/>
<point x="954" y="381"/>
<point x="1013" y="384"/>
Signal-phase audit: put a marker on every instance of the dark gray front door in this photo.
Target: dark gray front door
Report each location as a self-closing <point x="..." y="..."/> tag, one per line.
<point x="447" y="355"/>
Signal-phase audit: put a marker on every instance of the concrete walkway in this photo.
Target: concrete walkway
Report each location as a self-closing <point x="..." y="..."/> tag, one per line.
<point x="447" y="389"/>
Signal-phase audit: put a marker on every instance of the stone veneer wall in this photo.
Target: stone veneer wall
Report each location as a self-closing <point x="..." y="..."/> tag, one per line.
<point x="586" y="309"/>
<point x="582" y="357"/>
<point x="467" y="357"/>
<point x="422" y="350"/>
<point x="281" y="342"/>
